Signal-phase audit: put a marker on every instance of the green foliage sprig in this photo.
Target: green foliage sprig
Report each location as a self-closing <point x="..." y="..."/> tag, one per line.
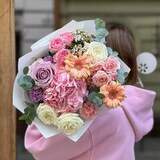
<point x="29" y="113"/>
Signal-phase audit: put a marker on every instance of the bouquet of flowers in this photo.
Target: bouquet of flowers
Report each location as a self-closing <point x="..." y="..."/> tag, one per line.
<point x="67" y="78"/>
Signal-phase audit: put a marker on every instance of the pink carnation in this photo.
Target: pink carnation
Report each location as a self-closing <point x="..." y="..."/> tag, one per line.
<point x="42" y="72"/>
<point x="111" y="65"/>
<point x="67" y="37"/>
<point x="53" y="98"/>
<point x="65" y="94"/>
<point x="56" y="44"/>
<point x="60" y="57"/>
<point x="101" y="78"/>
<point x="88" y="110"/>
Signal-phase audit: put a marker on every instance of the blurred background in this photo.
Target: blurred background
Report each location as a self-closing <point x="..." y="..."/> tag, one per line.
<point x="36" y="18"/>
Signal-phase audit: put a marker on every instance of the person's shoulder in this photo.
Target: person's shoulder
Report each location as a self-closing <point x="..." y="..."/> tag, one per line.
<point x="138" y="109"/>
<point x="137" y="89"/>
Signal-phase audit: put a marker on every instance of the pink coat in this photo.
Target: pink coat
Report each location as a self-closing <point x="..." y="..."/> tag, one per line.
<point x="112" y="135"/>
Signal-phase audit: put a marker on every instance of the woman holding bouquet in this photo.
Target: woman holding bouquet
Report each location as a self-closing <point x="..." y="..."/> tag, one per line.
<point x="113" y="134"/>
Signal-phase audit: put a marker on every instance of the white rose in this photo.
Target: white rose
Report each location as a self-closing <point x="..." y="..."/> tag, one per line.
<point x="69" y="123"/>
<point x="46" y="114"/>
<point x="98" y="51"/>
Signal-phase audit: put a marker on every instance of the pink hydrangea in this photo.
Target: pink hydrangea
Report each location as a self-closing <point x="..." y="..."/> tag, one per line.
<point x="42" y="72"/>
<point x="101" y="78"/>
<point x="111" y="65"/>
<point x="53" y="98"/>
<point x="67" y="37"/>
<point x="56" y="44"/>
<point x="65" y="93"/>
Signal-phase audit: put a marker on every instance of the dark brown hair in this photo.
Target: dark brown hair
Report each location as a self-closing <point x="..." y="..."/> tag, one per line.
<point x="121" y="39"/>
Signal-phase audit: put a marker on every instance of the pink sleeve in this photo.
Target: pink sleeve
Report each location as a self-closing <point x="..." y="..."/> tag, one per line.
<point x="59" y="146"/>
<point x="138" y="109"/>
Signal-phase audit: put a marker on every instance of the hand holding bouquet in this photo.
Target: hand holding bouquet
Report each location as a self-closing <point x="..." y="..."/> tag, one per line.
<point x="67" y="84"/>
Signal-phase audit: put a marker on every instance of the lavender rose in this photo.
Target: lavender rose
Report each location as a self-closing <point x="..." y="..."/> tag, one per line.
<point x="42" y="72"/>
<point x="35" y="94"/>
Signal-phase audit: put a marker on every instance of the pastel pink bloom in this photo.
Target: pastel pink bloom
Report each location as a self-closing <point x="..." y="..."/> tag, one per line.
<point x="67" y="109"/>
<point x="52" y="97"/>
<point x="111" y="65"/>
<point x="60" y="57"/>
<point x="56" y="44"/>
<point x="97" y="67"/>
<point x="67" y="37"/>
<point x="101" y="78"/>
<point x="76" y="94"/>
<point x="60" y="78"/>
<point x="88" y="110"/>
<point x="113" y="76"/>
<point x="42" y="72"/>
<point x="65" y="93"/>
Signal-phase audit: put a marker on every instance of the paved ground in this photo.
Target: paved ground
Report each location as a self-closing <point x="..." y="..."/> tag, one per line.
<point x="148" y="149"/>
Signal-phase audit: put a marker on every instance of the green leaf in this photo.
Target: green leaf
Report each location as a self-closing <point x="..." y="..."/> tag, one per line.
<point x="121" y="76"/>
<point x="100" y="23"/>
<point x="50" y="53"/>
<point x="115" y="53"/>
<point x="101" y="95"/>
<point x="29" y="104"/>
<point x="93" y="89"/>
<point x="25" y="70"/>
<point x="29" y="114"/>
<point x="110" y="51"/>
<point x="96" y="98"/>
<point x="101" y="34"/>
<point x="26" y="82"/>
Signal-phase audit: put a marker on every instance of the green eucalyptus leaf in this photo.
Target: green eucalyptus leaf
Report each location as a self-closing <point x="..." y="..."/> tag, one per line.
<point x="101" y="95"/>
<point x="100" y="23"/>
<point x="110" y="51"/>
<point x="26" y="82"/>
<point x="125" y="74"/>
<point x="115" y="53"/>
<point x="29" y="114"/>
<point x="101" y="33"/>
<point x="25" y="70"/>
<point x="96" y="98"/>
<point x="29" y="104"/>
<point x="121" y="76"/>
<point x="94" y="89"/>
